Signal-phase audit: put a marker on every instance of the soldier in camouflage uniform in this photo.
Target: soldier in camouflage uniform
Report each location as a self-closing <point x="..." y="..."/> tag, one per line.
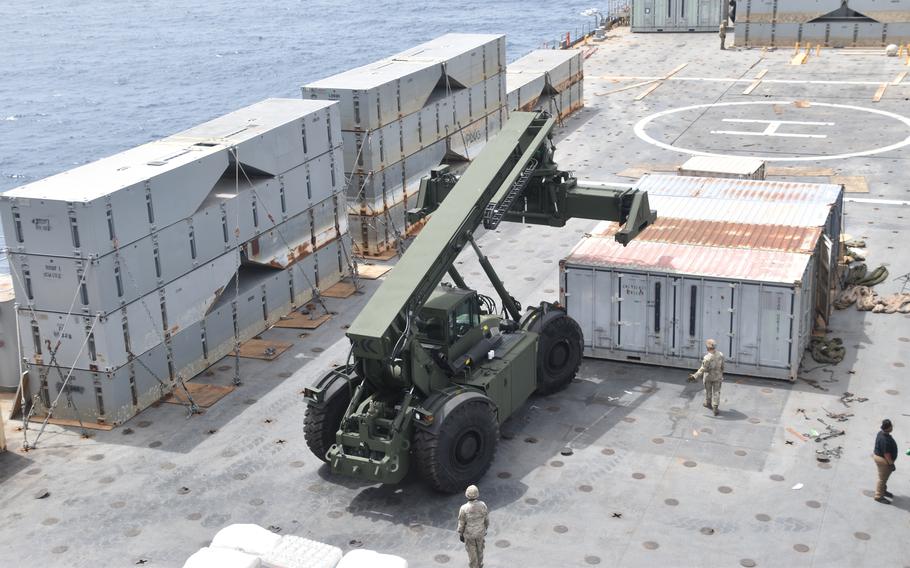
<point x="473" y="520"/>
<point x="712" y="373"/>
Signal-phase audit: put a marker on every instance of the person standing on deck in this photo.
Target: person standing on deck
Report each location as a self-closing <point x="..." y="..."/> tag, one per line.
<point x="723" y="34"/>
<point x="712" y="373"/>
<point x="884" y="455"/>
<point x="473" y="522"/>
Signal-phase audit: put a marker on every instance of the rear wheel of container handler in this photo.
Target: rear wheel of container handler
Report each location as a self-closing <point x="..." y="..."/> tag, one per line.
<point x="321" y="423"/>
<point x="461" y="450"/>
<point x="559" y="350"/>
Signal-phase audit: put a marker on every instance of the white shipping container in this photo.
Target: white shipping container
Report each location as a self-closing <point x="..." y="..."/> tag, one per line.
<point x="657" y="303"/>
<point x="524" y="89"/>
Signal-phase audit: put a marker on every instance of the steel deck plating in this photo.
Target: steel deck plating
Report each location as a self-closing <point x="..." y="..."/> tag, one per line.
<point x="651" y="479"/>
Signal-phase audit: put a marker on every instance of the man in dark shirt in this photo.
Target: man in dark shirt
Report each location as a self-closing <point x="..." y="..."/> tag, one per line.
<point x="884" y="456"/>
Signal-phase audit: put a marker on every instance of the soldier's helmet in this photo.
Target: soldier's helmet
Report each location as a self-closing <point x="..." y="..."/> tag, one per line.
<point x="472" y="492"/>
<point x="710" y="344"/>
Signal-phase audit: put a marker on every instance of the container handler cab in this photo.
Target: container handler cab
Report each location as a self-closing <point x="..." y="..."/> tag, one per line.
<point x="435" y="369"/>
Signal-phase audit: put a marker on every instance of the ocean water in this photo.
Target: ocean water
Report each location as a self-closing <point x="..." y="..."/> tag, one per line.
<point x="83" y="79"/>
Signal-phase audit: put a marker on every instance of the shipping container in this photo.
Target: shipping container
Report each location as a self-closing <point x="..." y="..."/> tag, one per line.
<point x="676" y="15"/>
<point x="657" y="303"/>
<point x="737" y="167"/>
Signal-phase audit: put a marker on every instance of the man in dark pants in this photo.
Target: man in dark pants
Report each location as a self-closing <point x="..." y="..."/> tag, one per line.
<point x="884" y="455"/>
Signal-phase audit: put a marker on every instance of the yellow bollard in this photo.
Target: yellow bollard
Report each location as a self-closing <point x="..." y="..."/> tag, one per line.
<point x="796" y="48"/>
<point x="818" y="49"/>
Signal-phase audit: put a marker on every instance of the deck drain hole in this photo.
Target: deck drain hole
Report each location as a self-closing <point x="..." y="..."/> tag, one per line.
<point x="285" y="375"/>
<point x="531" y="440"/>
<point x="904" y="339"/>
<point x="317" y="349"/>
<point x="556" y="463"/>
<point x="707" y="431"/>
<point x="658" y="440"/>
<point x="650" y="545"/>
<point x="567" y="451"/>
<point x="250" y="401"/>
<point x="549" y="291"/>
<point x="585" y="488"/>
<point x="50" y="521"/>
<point x="747" y="563"/>
<point x="183" y="490"/>
<point x="892" y="392"/>
<point x="813" y="504"/>
<point x="240" y="476"/>
<point x="132" y="532"/>
<point x="60" y="549"/>
<point x="144" y="423"/>
<point x="33" y="471"/>
<point x="96" y="457"/>
<point x="561" y="529"/>
<point x="106" y="479"/>
<point x="503" y="475"/>
<point x="503" y="544"/>
<point x="767" y="390"/>
<point x="862" y="535"/>
<point x="899" y="364"/>
<point x="725" y="490"/>
<point x="763" y="517"/>
<point x="671" y="502"/>
<point x="740" y="453"/>
<point x="777" y="477"/>
<point x="256" y="502"/>
<point x="531" y="501"/>
<point x="591" y="559"/>
<point x="297" y="464"/>
<point x="228" y="453"/>
<point x="628" y="419"/>
<point x="442" y="558"/>
<point x="194" y="516"/>
<point x="689" y="463"/>
<point x="800" y="548"/>
<point x="127" y="431"/>
<point x="638" y="475"/>
<point x="553" y="408"/>
<point x="707" y="531"/>
<point x="754" y="421"/>
<point x="580" y="429"/>
<point x="155" y="444"/>
<point x="607" y="451"/>
<point x="118" y="504"/>
<point x="335" y="514"/>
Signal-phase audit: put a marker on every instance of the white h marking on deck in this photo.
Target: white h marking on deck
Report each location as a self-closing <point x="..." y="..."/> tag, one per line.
<point x="773" y="126"/>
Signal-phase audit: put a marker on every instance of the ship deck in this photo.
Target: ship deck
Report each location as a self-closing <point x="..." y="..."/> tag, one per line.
<point x="652" y="479"/>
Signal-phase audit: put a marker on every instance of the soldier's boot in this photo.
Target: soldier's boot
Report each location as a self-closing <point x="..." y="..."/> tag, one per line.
<point x="716" y="411"/>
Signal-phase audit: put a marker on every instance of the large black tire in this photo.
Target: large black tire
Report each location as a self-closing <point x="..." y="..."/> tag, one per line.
<point x="559" y="351"/>
<point x="321" y="423"/>
<point x="461" y="451"/>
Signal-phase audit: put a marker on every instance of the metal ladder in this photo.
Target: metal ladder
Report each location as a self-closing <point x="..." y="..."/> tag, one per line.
<point x="494" y="212"/>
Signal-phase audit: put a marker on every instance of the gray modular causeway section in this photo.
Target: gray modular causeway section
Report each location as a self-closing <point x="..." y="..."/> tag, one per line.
<point x="652" y="480"/>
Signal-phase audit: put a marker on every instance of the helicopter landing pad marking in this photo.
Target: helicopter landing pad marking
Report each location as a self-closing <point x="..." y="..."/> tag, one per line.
<point x="771" y="130"/>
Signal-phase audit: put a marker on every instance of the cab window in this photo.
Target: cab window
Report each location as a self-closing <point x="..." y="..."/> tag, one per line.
<point x="463" y="318"/>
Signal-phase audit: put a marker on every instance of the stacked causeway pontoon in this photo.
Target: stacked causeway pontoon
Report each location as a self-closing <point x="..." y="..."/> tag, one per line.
<point x="146" y="267"/>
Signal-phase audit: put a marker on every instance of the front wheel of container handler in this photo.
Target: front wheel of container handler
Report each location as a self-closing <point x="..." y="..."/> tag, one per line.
<point x="461" y="450"/>
<point x="321" y="423"/>
<point x="559" y="349"/>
